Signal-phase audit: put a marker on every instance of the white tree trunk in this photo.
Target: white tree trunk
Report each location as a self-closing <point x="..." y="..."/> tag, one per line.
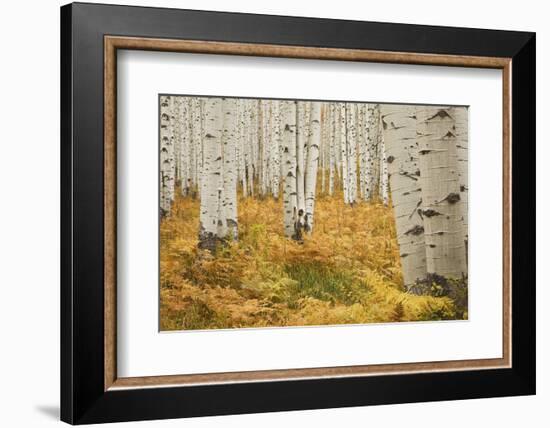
<point x="445" y="250"/>
<point x="301" y="142"/>
<point x="362" y="149"/>
<point x="230" y="135"/>
<point x="313" y="145"/>
<point x="343" y="151"/>
<point x="211" y="209"/>
<point x="289" y="162"/>
<point x="332" y="149"/>
<point x="372" y="166"/>
<point x="351" y="148"/>
<point x="460" y="115"/>
<point x="185" y="155"/>
<point x="384" y="178"/>
<point x="399" y="125"/>
<point x="275" y="163"/>
<point x="167" y="154"/>
<point x="197" y="141"/>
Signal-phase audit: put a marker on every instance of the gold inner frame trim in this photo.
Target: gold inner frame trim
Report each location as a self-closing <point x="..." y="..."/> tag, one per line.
<point x="113" y="43"/>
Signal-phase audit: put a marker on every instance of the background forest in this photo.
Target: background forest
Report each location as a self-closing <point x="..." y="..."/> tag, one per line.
<point x="289" y="213"/>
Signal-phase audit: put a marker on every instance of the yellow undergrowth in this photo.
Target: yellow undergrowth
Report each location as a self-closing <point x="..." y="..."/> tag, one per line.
<point x="346" y="272"/>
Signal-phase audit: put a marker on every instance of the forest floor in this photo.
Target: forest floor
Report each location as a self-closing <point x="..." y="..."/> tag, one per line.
<point x="346" y="272"/>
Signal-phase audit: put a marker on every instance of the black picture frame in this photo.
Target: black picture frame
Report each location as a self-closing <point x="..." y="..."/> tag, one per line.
<point x="83" y="398"/>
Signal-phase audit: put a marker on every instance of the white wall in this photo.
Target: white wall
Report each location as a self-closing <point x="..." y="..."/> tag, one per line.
<point x="29" y="214"/>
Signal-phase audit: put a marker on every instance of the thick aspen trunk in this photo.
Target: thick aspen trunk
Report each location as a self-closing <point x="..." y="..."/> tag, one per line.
<point x="230" y="135"/>
<point x="460" y="115"/>
<point x="445" y="250"/>
<point x="399" y="128"/>
<point x="211" y="209"/>
<point x="313" y="145"/>
<point x="290" y="207"/>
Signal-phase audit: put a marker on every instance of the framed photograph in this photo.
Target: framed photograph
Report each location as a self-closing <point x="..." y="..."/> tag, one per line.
<point x="266" y="213"/>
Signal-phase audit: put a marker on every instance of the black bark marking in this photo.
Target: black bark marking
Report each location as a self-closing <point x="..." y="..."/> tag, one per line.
<point x="430" y="213"/>
<point x="441" y="114"/>
<point x="416" y="230"/>
<point x="451" y="198"/>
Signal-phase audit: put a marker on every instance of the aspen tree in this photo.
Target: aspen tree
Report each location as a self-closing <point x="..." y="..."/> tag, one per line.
<point x="351" y="150"/>
<point x="332" y="149"/>
<point x="399" y="128"/>
<point x="343" y="151"/>
<point x="245" y="146"/>
<point x="165" y="137"/>
<point x="197" y="141"/>
<point x="445" y="249"/>
<point x="266" y="145"/>
<point x="313" y="144"/>
<point x="384" y="191"/>
<point x="289" y="161"/>
<point x="275" y="147"/>
<point x="301" y="142"/>
<point x="372" y="167"/>
<point x="230" y="135"/>
<point x="460" y="115"/>
<point x="185" y="155"/>
<point x="322" y="145"/>
<point x="211" y="209"/>
<point x="362" y="148"/>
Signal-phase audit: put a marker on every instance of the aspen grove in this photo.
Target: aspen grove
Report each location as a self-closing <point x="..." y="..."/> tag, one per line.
<point x="231" y="154"/>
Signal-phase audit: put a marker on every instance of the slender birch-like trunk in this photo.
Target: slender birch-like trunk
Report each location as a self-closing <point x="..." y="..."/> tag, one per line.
<point x="230" y="135"/>
<point x="384" y="177"/>
<point x="275" y="157"/>
<point x="313" y="145"/>
<point x="399" y="128"/>
<point x="445" y="250"/>
<point x="165" y="142"/>
<point x="289" y="160"/>
<point x="211" y="209"/>
<point x="460" y="115"/>
<point x="245" y="146"/>
<point x="322" y="145"/>
<point x="343" y="152"/>
<point x="351" y="149"/>
<point x="264" y="140"/>
<point x="362" y="148"/>
<point x="185" y="155"/>
<point x="301" y="142"/>
<point x="197" y="141"/>
<point x="332" y="149"/>
<point x="372" y="166"/>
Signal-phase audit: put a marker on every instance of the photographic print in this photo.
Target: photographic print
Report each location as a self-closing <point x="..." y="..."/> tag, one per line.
<point x="281" y="212"/>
